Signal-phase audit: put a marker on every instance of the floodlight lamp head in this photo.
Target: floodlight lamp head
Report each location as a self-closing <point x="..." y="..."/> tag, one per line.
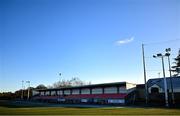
<point x="159" y="55"/>
<point x="168" y="49"/>
<point x="154" y="56"/>
<point x="167" y="54"/>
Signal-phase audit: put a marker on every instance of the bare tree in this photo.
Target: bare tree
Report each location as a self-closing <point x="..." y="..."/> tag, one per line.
<point x="75" y="81"/>
<point x="41" y="86"/>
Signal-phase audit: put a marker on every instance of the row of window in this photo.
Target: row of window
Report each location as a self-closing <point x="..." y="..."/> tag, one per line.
<point x="107" y="90"/>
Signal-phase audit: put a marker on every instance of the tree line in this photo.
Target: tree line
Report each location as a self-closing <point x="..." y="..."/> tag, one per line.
<point x="75" y="81"/>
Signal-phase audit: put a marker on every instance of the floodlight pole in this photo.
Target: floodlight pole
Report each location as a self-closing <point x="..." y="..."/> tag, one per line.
<point x="28" y="89"/>
<point x="144" y="67"/>
<point x="60" y="74"/>
<point x="172" y="89"/>
<point x="165" y="82"/>
<point x="22" y="90"/>
<point x="159" y="74"/>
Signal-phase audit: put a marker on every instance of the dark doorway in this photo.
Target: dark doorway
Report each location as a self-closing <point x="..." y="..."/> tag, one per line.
<point x="154" y="90"/>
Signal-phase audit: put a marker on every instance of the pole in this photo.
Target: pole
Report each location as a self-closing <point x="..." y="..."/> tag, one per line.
<point x="159" y="74"/>
<point x="28" y="89"/>
<point x="172" y="89"/>
<point x="144" y="67"/>
<point x="60" y="76"/>
<point x="22" y="90"/>
<point x="165" y="83"/>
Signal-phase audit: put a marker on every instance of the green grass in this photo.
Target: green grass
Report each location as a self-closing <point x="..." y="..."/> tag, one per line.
<point x="87" y="111"/>
<point x="25" y="108"/>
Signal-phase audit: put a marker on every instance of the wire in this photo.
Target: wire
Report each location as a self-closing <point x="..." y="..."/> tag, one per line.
<point x="162" y="42"/>
<point x="155" y="70"/>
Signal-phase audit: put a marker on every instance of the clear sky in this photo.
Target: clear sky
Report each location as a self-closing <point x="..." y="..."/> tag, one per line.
<point x="95" y="40"/>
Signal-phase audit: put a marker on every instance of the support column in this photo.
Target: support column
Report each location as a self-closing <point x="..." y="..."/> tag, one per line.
<point x="117" y="89"/>
<point x="90" y="90"/>
<point x="102" y="90"/>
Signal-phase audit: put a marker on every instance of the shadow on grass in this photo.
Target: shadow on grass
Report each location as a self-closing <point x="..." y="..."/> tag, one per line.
<point x="27" y="104"/>
<point x="18" y="104"/>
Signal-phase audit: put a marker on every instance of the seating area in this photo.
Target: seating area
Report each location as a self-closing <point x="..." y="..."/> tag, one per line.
<point x="96" y="93"/>
<point x="88" y="96"/>
<point x="103" y="96"/>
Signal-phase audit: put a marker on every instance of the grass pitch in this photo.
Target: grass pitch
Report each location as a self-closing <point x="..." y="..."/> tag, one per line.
<point x="44" y="109"/>
<point x="87" y="111"/>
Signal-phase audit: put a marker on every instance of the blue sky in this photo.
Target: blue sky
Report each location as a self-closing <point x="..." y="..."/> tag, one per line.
<point x="95" y="40"/>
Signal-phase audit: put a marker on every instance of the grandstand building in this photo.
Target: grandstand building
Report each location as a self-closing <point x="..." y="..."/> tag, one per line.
<point x="106" y="93"/>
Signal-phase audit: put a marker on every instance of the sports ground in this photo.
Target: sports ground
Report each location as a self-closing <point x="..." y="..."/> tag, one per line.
<point x="53" y="109"/>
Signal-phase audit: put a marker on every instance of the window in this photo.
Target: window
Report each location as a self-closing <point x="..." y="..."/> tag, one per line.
<point x="53" y="93"/>
<point x="110" y="90"/>
<point x="75" y="91"/>
<point x="60" y="92"/>
<point x="97" y="91"/>
<point x="67" y="92"/>
<point x="85" y="91"/>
